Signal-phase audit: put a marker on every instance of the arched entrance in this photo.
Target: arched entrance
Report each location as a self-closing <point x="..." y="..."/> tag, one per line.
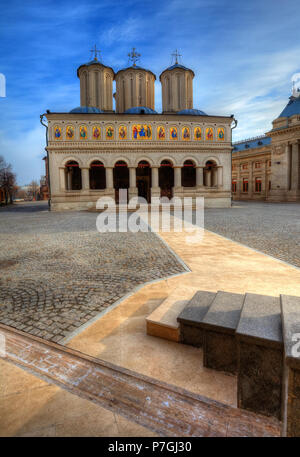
<point x="143" y="180"/>
<point x="121" y="177"/>
<point x="73" y="175"/>
<point x="166" y="178"/>
<point x="97" y="175"/>
<point x="188" y="174"/>
<point x="211" y="174"/>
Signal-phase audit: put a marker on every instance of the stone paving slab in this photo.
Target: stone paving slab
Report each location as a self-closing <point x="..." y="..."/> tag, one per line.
<point x="58" y="272"/>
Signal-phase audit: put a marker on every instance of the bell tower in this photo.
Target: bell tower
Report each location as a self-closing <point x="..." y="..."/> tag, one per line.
<point x="96" y="84"/>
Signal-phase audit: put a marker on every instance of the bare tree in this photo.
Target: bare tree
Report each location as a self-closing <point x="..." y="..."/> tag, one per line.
<point x="7" y="181"/>
<point x="33" y="189"/>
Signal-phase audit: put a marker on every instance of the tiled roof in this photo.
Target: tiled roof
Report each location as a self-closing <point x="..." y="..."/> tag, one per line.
<point x="251" y="143"/>
<point x="192" y="112"/>
<point x="293" y="107"/>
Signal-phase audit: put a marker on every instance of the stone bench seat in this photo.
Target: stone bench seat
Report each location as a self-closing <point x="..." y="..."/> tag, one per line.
<point x="290" y="311"/>
<point x="219" y="325"/>
<point x="260" y="355"/>
<point x="191" y="317"/>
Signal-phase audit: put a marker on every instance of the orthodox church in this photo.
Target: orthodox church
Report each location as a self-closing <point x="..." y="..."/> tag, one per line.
<point x="95" y="150"/>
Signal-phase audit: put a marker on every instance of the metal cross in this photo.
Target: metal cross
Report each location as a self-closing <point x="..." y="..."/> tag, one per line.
<point x="134" y="56"/>
<point x="176" y="55"/>
<point x="95" y="51"/>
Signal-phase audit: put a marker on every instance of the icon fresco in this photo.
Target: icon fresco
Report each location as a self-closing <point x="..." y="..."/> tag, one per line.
<point x="186" y="133"/>
<point x="96" y="132"/>
<point x="57" y="132"/>
<point x="141" y="132"/>
<point x="83" y="132"/>
<point x="70" y="132"/>
<point x="221" y="134"/>
<point x="209" y="134"/>
<point x="173" y="133"/>
<point x="109" y="133"/>
<point x="161" y="133"/>
<point x="122" y="132"/>
<point x="198" y="134"/>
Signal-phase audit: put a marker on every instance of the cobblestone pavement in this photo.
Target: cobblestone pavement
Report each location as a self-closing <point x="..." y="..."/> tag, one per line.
<point x="272" y="228"/>
<point x="57" y="272"/>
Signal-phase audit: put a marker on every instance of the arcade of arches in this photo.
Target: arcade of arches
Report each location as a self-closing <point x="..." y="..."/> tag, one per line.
<point x="141" y="179"/>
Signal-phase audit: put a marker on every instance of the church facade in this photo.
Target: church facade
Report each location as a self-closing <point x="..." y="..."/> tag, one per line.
<point x="268" y="167"/>
<point x="95" y="151"/>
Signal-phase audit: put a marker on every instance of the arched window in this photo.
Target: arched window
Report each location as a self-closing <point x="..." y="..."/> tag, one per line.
<point x="97" y="175"/>
<point x="211" y="174"/>
<point x="188" y="174"/>
<point x="166" y="178"/>
<point x="73" y="175"/>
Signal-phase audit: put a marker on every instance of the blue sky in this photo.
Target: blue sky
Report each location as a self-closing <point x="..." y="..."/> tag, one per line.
<point x="243" y="53"/>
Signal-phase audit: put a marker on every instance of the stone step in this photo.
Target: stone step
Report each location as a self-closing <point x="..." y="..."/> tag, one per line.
<point x="191" y="316"/>
<point x="290" y="310"/>
<point x="260" y="351"/>
<point x="219" y="325"/>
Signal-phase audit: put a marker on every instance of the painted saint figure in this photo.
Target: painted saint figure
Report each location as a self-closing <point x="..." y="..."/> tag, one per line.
<point x="161" y="133"/>
<point x="174" y="133"/>
<point x="96" y="132"/>
<point x="198" y="133"/>
<point x="57" y="132"/>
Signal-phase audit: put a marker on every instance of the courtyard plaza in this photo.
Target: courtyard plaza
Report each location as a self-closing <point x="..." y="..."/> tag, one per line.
<point x="42" y="247"/>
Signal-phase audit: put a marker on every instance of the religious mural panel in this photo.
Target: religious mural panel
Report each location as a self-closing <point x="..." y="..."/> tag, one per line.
<point x="197" y="133"/>
<point x="57" y="132"/>
<point x="221" y="134"/>
<point x="186" y="134"/>
<point x="109" y="133"/>
<point x="141" y="132"/>
<point x="96" y="132"/>
<point x="161" y="133"/>
<point x="122" y="132"/>
<point x="209" y="135"/>
<point x="83" y="132"/>
<point x="173" y="133"/>
<point x="70" y="132"/>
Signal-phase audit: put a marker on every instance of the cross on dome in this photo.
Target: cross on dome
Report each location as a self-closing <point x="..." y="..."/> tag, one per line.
<point x="176" y="55"/>
<point x="95" y="51"/>
<point x="134" y="56"/>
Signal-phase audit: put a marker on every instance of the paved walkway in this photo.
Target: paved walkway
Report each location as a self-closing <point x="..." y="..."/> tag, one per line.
<point x="58" y="272"/>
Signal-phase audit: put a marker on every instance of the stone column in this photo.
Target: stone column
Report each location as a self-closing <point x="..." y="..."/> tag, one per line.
<point x="177" y="176"/>
<point x="214" y="177"/>
<point x="155" y="190"/>
<point x="220" y="177"/>
<point x="199" y="176"/>
<point x="208" y="178"/>
<point x="69" y="178"/>
<point x="295" y="167"/>
<point x="62" y="178"/>
<point x="85" y="176"/>
<point x="109" y="178"/>
<point x="132" y="191"/>
<point x="250" y="181"/>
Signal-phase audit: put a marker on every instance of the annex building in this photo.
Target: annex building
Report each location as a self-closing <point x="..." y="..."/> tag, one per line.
<point x="268" y="167"/>
<point x="100" y="147"/>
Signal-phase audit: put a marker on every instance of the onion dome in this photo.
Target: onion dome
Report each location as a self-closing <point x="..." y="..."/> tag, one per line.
<point x="192" y="112"/>
<point x="86" y="109"/>
<point x="140" y="110"/>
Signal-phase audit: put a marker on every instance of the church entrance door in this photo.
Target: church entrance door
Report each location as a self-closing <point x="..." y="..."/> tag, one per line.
<point x="143" y="180"/>
<point x="166" y="179"/>
<point x="121" y="178"/>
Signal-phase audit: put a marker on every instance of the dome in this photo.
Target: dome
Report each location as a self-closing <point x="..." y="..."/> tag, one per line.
<point x="140" y="110"/>
<point x="92" y="62"/>
<point x="192" y="112"/>
<point x="86" y="109"/>
<point x="135" y="67"/>
<point x="176" y="66"/>
<point x="293" y="107"/>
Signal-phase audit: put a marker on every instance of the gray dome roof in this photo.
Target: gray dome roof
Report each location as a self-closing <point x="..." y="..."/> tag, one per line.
<point x="86" y="109"/>
<point x="293" y="107"/>
<point x="135" y="67"/>
<point x="175" y="66"/>
<point x="192" y="112"/>
<point x="93" y="62"/>
<point x="140" y="110"/>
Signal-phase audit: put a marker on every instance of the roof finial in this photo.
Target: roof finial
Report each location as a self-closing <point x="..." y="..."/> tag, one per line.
<point x="95" y="51"/>
<point x="176" y="55"/>
<point x="134" y="56"/>
<point x="296" y="85"/>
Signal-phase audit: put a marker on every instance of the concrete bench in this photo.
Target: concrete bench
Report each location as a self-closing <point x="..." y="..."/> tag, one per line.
<point x="219" y="324"/>
<point x="191" y="317"/>
<point x="260" y="355"/>
<point x="290" y="310"/>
